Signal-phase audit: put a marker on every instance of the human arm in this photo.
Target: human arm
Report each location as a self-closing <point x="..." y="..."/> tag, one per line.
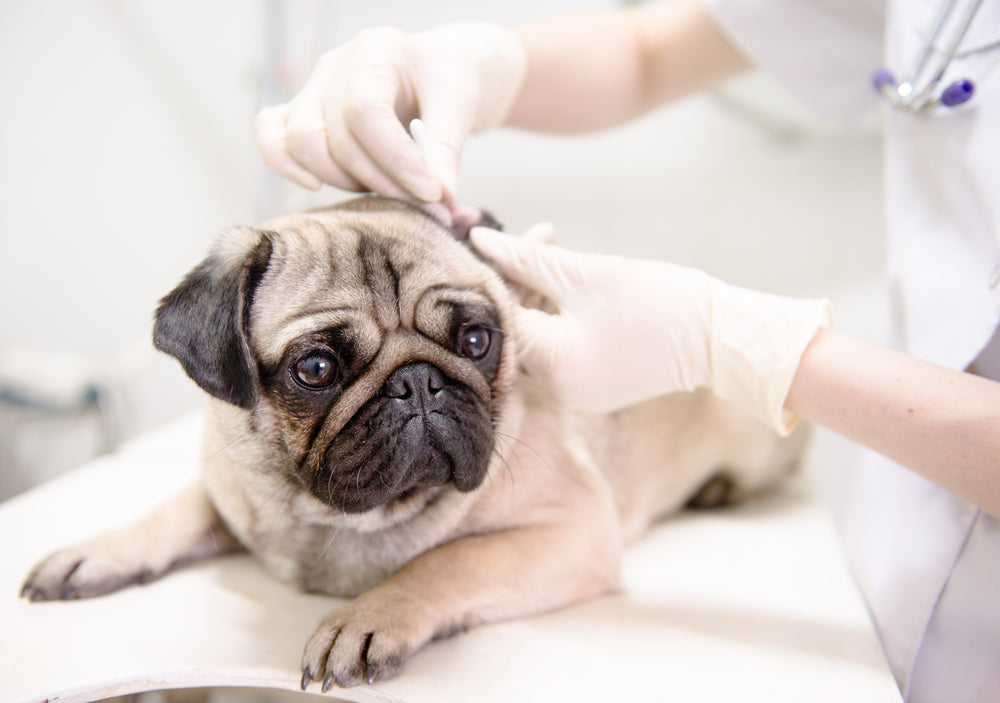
<point x="347" y="125"/>
<point x="592" y="70"/>
<point x="625" y="330"/>
<point x="939" y="423"/>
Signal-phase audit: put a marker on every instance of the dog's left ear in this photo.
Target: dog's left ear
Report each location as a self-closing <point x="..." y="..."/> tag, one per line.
<point x="203" y="321"/>
<point x="464" y="218"/>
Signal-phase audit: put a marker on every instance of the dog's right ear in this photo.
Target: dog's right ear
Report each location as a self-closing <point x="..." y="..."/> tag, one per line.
<point x="203" y="321"/>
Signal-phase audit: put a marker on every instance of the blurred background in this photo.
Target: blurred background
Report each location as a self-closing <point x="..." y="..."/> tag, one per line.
<point x="126" y="146"/>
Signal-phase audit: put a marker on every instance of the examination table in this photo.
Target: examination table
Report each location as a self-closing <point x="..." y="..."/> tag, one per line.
<point x="753" y="603"/>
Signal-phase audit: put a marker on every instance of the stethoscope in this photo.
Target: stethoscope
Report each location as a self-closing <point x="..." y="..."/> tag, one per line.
<point x="908" y="95"/>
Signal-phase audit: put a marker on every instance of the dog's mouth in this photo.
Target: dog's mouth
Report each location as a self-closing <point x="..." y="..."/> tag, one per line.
<point x="421" y="432"/>
<point x="410" y="493"/>
<point x="422" y="496"/>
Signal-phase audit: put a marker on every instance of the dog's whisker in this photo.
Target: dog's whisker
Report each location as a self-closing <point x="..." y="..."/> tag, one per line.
<point x="511" y="439"/>
<point x="505" y="464"/>
<point x="228" y="445"/>
<point x="336" y="528"/>
<point x="329" y="485"/>
<point x="381" y="477"/>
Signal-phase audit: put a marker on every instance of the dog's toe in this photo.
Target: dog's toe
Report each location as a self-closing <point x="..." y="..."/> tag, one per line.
<point x="51" y="579"/>
<point x="356" y="645"/>
<point x="86" y="571"/>
<point x="47" y="581"/>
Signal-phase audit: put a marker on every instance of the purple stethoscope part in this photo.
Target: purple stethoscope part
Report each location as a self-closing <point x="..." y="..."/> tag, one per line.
<point x="905" y="95"/>
<point x="955" y="94"/>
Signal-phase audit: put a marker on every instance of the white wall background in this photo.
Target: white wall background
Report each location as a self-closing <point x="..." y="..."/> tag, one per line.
<point x="125" y="145"/>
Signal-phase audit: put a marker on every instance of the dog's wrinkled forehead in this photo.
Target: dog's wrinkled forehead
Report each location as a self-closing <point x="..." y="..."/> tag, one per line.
<point x="369" y="273"/>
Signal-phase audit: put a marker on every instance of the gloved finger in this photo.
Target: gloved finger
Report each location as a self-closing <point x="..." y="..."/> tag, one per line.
<point x="443" y="151"/>
<point x="542" y="341"/>
<point x="351" y="158"/>
<point x="370" y="116"/>
<point x="306" y="142"/>
<point x="546" y="269"/>
<point x="306" y="125"/>
<point x="446" y="118"/>
<point x="269" y="132"/>
<point x="543" y="233"/>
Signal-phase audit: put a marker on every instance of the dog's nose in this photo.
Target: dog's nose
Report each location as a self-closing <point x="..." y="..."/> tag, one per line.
<point x="416" y="383"/>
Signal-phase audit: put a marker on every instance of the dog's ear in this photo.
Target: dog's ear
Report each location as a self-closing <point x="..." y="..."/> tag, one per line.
<point x="203" y="321"/>
<point x="464" y="218"/>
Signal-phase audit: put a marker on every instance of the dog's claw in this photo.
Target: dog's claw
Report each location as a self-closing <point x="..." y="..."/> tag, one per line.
<point x="328" y="682"/>
<point x="306" y="679"/>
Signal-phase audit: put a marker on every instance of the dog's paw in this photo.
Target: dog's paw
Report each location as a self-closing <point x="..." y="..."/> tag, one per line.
<point x="364" y="642"/>
<point x="94" y="568"/>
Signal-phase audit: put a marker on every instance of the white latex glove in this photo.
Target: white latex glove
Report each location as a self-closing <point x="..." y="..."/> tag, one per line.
<point x="346" y="125"/>
<point x="627" y="330"/>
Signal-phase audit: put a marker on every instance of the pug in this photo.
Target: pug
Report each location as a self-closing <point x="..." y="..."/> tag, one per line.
<point x="368" y="436"/>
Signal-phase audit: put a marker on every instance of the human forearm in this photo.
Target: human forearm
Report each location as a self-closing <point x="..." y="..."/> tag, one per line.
<point x="942" y="424"/>
<point x="598" y="69"/>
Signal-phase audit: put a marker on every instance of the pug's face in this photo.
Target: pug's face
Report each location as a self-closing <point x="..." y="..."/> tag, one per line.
<point x="366" y="343"/>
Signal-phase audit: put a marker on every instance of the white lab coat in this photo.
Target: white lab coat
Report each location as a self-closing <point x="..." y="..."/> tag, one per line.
<point x="927" y="562"/>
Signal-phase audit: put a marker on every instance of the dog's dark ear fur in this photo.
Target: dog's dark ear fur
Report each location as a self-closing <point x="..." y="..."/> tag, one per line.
<point x="464" y="219"/>
<point x="203" y="321"/>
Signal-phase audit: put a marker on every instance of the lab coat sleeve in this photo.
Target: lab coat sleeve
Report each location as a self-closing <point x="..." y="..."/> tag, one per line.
<point x="822" y="51"/>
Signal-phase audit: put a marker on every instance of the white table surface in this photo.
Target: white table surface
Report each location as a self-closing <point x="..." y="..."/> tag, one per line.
<point x="747" y="604"/>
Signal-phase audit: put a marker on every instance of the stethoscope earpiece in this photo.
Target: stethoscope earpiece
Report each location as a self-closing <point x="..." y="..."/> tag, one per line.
<point x="883" y="79"/>
<point x="958" y="92"/>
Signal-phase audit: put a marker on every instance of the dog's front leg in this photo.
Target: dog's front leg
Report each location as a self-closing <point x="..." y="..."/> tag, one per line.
<point x="460" y="584"/>
<point x="183" y="529"/>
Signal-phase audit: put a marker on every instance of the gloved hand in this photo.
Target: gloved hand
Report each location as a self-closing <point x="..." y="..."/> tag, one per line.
<point x="627" y="330"/>
<point x="345" y="127"/>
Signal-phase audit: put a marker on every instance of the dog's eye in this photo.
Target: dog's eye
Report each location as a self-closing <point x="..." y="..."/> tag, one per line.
<point x="474" y="342"/>
<point x="317" y="369"/>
